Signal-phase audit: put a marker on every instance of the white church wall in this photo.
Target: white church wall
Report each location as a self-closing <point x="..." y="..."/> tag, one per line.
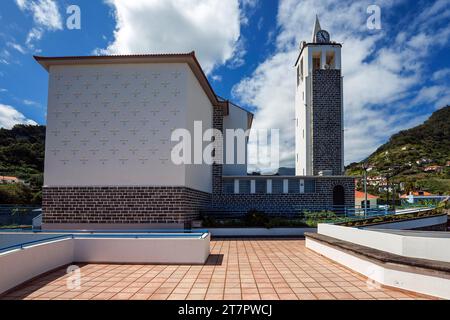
<point x="236" y="119"/>
<point x="199" y="108"/>
<point x="111" y="124"/>
<point x="302" y="131"/>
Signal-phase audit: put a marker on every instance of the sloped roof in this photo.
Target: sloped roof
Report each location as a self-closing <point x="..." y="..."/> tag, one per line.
<point x="188" y="58"/>
<point x="360" y="194"/>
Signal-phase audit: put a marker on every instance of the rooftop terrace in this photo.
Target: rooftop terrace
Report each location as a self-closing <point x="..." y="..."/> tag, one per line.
<point x="236" y="269"/>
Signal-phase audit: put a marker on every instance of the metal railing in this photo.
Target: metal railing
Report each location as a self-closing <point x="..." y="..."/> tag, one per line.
<point x="356" y="212"/>
<point x="16" y="215"/>
<point x="101" y="234"/>
<point x="23" y="245"/>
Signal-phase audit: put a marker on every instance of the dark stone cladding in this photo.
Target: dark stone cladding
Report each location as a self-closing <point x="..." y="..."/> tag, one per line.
<point x="327" y="130"/>
<point x="286" y="203"/>
<point x="217" y="167"/>
<point x="122" y="204"/>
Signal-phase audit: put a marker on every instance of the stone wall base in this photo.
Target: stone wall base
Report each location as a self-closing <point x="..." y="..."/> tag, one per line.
<point x="122" y="206"/>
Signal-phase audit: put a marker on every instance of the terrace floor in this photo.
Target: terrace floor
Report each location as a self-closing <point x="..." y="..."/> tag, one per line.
<point x="236" y="269"/>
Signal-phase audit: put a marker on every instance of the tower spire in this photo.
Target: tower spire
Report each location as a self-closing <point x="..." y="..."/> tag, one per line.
<point x="316" y="29"/>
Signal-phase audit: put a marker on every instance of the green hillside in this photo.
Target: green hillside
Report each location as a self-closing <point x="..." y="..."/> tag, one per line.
<point x="22" y="155"/>
<point x="407" y="154"/>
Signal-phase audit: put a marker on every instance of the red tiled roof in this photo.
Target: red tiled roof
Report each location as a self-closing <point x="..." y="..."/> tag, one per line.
<point x="8" y="178"/>
<point x="360" y="195"/>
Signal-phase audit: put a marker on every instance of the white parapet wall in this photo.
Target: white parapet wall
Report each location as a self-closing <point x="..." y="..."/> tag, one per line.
<point x="413" y="246"/>
<point x="385" y="274"/>
<point x="22" y="264"/>
<point x="141" y="250"/>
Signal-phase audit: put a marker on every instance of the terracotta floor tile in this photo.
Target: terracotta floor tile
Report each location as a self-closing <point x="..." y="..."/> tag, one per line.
<point x="195" y="297"/>
<point x="249" y="269"/>
<point x="270" y="296"/>
<point x="251" y="296"/>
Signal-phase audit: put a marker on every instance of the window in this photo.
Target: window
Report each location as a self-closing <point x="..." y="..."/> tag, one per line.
<point x="294" y="186"/>
<point x="301" y="69"/>
<point x="330" y="59"/>
<point x="228" y="186"/>
<point x="316" y="63"/>
<point x="260" y="186"/>
<point x="298" y="75"/>
<point x="310" y="186"/>
<point x="277" y="186"/>
<point x="244" y="186"/>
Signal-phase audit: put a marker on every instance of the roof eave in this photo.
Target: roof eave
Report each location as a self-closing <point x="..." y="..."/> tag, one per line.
<point x="189" y="58"/>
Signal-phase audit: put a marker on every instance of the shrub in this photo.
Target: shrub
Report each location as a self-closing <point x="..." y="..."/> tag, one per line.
<point x="255" y="218"/>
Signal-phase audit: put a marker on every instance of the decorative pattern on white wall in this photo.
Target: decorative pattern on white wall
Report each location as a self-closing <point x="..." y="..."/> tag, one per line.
<point x="106" y="119"/>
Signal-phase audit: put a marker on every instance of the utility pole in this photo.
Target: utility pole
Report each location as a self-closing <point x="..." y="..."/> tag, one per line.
<point x="364" y="167"/>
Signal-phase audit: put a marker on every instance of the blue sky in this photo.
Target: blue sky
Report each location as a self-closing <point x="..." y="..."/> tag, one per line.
<point x="394" y="77"/>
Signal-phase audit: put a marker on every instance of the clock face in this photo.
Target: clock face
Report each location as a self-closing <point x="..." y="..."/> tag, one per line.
<point x="322" y="36"/>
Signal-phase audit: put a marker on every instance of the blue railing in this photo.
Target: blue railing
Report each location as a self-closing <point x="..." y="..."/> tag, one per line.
<point x="71" y="234"/>
<point x="34" y="242"/>
<point x="127" y="231"/>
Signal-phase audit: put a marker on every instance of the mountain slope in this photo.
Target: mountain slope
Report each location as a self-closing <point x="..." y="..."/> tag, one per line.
<point x="408" y="155"/>
<point x="22" y="151"/>
<point x="22" y="155"/>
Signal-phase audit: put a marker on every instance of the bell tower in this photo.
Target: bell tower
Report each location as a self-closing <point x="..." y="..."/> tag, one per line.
<point x="319" y="136"/>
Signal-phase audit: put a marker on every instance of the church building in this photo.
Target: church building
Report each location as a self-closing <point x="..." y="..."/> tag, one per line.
<point x="108" y="142"/>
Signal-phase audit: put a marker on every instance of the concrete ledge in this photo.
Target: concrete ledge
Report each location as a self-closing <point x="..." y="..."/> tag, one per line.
<point x="381" y="256"/>
<point x="407" y="245"/>
<point x="418" y="275"/>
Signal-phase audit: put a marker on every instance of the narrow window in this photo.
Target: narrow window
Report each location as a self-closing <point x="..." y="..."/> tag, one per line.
<point x="301" y="69"/>
<point x="316" y="63"/>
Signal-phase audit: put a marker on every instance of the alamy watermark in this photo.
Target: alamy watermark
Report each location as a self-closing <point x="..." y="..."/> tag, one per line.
<point x="73" y="281"/>
<point x="374" y="19"/>
<point x="211" y="146"/>
<point x="73" y="21"/>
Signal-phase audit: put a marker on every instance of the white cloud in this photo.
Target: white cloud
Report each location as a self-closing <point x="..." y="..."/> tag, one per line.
<point x="17" y="47"/>
<point x="210" y="27"/>
<point x="238" y="54"/>
<point x="216" y="77"/>
<point x="10" y="117"/>
<point x="46" y="17"/>
<point x="379" y="69"/>
<point x="31" y="103"/>
<point x="441" y="74"/>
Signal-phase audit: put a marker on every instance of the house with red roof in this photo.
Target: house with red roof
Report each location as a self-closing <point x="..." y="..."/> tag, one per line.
<point x="360" y="199"/>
